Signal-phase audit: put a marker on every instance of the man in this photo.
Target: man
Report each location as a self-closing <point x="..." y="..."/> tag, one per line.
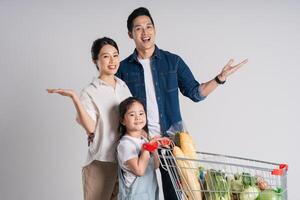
<point x="154" y="76"/>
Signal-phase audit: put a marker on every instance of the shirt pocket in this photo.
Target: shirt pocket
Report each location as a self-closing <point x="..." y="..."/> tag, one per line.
<point x="132" y="80"/>
<point x="169" y="80"/>
<point x="131" y="77"/>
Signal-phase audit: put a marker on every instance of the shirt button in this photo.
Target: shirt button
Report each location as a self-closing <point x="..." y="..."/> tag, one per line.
<point x="155" y="83"/>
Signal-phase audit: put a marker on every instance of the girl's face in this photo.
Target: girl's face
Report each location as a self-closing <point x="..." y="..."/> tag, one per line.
<point x="108" y="60"/>
<point x="135" y="118"/>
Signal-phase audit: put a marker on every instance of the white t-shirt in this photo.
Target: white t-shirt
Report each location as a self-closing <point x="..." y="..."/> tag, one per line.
<point x="152" y="107"/>
<point x="101" y="101"/>
<point x="129" y="147"/>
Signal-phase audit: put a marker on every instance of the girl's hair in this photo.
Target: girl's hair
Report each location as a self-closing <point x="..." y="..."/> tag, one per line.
<point x="98" y="44"/>
<point x="123" y="108"/>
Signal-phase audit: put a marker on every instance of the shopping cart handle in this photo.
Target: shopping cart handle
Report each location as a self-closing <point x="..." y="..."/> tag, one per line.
<point x="150" y="146"/>
<point x="284" y="166"/>
<point x="282" y="169"/>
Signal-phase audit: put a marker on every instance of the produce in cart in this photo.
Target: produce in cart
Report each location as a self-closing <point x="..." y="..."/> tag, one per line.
<point x="211" y="176"/>
<point x="217" y="185"/>
<point x="271" y="194"/>
<point x="188" y="168"/>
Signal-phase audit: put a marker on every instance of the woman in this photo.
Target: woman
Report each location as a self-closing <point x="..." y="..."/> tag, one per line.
<point x="97" y="110"/>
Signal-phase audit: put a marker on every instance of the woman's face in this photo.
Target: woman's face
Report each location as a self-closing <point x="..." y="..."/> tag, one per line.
<point x="135" y="118"/>
<point x="108" y="60"/>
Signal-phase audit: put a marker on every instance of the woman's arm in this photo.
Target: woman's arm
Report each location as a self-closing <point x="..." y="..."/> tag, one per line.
<point x="86" y="121"/>
<point x="139" y="165"/>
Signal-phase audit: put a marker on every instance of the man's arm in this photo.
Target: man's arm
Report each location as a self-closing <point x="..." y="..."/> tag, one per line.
<point x="206" y="88"/>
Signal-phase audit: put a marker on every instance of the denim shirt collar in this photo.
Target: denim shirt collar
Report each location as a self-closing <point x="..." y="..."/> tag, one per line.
<point x="156" y="54"/>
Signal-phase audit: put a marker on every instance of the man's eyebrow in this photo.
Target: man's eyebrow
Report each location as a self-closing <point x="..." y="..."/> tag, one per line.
<point x="137" y="25"/>
<point x="103" y="53"/>
<point x="148" y="23"/>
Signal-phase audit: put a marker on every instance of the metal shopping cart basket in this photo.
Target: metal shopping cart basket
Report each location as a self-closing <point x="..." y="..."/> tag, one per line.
<point x="223" y="177"/>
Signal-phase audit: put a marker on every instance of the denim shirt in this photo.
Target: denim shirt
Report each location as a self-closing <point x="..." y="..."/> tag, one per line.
<point x="170" y="73"/>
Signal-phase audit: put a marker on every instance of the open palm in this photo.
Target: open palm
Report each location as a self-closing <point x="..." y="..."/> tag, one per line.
<point x="63" y="92"/>
<point x="230" y="68"/>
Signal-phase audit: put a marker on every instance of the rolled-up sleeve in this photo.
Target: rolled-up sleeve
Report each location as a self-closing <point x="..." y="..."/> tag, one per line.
<point x="187" y="83"/>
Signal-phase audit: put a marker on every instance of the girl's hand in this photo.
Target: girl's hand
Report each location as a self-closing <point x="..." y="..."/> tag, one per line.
<point x="150" y="146"/>
<point x="230" y="69"/>
<point x="63" y="92"/>
<point x="162" y="141"/>
<point x="165" y="142"/>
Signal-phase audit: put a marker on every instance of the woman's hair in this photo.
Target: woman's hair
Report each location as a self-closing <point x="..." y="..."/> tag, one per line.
<point x="98" y="44"/>
<point x="123" y="108"/>
<point x="141" y="11"/>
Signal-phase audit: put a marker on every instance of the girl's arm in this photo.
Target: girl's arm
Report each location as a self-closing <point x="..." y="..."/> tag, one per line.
<point x="156" y="159"/>
<point x="86" y="121"/>
<point x="139" y="165"/>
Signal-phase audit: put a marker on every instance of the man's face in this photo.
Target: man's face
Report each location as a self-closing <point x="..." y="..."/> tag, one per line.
<point x="143" y="33"/>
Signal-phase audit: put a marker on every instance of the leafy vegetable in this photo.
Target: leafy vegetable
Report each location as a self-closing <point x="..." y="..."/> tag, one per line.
<point x="236" y="183"/>
<point x="248" y="180"/>
<point x="250" y="193"/>
<point x="177" y="139"/>
<point x="217" y="185"/>
<point x="269" y="194"/>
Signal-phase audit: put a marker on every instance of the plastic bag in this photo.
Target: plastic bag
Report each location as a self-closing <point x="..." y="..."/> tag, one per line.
<point x="175" y="128"/>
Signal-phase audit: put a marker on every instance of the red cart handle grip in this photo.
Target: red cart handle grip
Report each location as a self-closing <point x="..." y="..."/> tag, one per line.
<point x="282" y="169"/>
<point x="150" y="146"/>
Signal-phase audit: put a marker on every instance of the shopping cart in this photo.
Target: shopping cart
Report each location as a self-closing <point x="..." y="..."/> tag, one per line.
<point x="219" y="177"/>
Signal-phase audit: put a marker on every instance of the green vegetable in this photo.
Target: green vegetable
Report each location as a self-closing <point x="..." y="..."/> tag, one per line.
<point x="236" y="183"/>
<point x="217" y="185"/>
<point x="250" y="193"/>
<point x="269" y="194"/>
<point x="248" y="180"/>
<point x="177" y="139"/>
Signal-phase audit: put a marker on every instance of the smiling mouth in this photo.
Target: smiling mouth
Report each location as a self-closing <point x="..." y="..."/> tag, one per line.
<point x="112" y="67"/>
<point x="146" y="39"/>
<point x="138" y="123"/>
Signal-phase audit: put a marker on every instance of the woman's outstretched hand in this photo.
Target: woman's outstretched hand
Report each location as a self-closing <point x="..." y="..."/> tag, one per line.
<point x="83" y="117"/>
<point x="63" y="92"/>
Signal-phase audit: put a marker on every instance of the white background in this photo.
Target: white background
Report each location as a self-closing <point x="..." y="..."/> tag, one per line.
<point x="47" y="44"/>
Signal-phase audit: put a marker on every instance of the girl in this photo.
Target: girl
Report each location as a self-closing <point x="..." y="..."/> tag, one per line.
<point x="137" y="177"/>
<point x="97" y="110"/>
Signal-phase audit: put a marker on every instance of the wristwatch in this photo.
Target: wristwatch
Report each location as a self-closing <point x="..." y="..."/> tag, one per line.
<point x="219" y="81"/>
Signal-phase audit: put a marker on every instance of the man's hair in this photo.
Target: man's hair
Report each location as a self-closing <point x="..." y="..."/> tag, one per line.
<point x="141" y="11"/>
<point x="98" y="44"/>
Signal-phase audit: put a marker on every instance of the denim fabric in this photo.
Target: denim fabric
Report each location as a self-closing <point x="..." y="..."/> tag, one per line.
<point x="170" y="73"/>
